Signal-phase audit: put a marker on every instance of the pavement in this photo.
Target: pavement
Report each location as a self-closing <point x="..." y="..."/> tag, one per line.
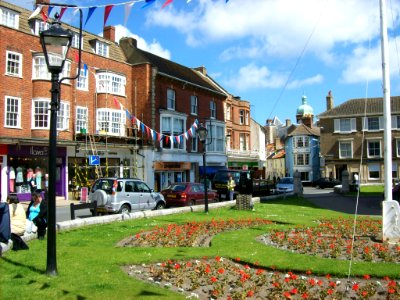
<point x="328" y="199"/>
<point x="60" y="202"/>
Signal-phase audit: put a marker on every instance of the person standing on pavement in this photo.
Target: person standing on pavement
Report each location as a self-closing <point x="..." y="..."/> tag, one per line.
<point x="231" y="187"/>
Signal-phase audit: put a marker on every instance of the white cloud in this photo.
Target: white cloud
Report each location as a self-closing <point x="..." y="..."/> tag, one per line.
<point x="304" y="82"/>
<point x="153" y="47"/>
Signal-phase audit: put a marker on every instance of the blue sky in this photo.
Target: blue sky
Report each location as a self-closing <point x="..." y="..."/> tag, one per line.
<point x="268" y="52"/>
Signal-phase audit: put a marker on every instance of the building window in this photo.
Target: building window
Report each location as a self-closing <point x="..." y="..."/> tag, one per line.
<point x="75" y="40"/>
<point x="63" y="116"/>
<point x="9" y="18"/>
<point x="41" y="111"/>
<point x="102" y="48"/>
<point x="305" y="176"/>
<point x="372" y="123"/>
<point x="345" y="149"/>
<point x="213" y="109"/>
<point x="193" y="105"/>
<point x="194" y="144"/>
<point x="345" y="125"/>
<point x="12" y="112"/>
<point x="242" y="141"/>
<point x="398" y="148"/>
<point x="171" y="99"/>
<point x="39" y="26"/>
<point x="373" y="171"/>
<point x="302" y="141"/>
<point x="216" y="138"/>
<point x="173" y="126"/>
<point x="241" y="117"/>
<point x="247" y="118"/>
<point x="81" y="119"/>
<point x="82" y="82"/>
<point x="302" y="159"/>
<point x="40" y="70"/>
<point x="111" y="122"/>
<point x="374" y="148"/>
<point x="395" y="122"/>
<point x="14" y="64"/>
<point x="111" y="83"/>
<point x="228" y="112"/>
<point x="394" y="169"/>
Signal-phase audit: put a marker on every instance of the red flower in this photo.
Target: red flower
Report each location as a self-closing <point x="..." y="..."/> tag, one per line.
<point x="276" y="284"/>
<point x="218" y="258"/>
<point x="188" y="264"/>
<point x="137" y="235"/>
<point x="355" y="287"/>
<point x="237" y="258"/>
<point x="177" y="266"/>
<point x="328" y="276"/>
<point x="287" y="295"/>
<point x="250" y="293"/>
<point x="207" y="270"/>
<point x="304" y="296"/>
<point x="221" y="271"/>
<point x="246" y="266"/>
<point x="259" y="271"/>
<point x="367" y="276"/>
<point x="364" y="293"/>
<point x="214" y="279"/>
<point x="391" y="291"/>
<point x="392" y="283"/>
<point x="311" y="281"/>
<point x="332" y="284"/>
<point x="330" y="291"/>
<point x="309" y="272"/>
<point x="293" y="291"/>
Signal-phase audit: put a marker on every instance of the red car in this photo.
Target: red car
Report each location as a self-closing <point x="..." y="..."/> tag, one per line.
<point x="187" y="193"/>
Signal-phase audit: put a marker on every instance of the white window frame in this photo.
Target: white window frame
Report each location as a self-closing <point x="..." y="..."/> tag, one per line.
<point x="14" y="63"/>
<point x="213" y="109"/>
<point x="366" y="123"/>
<point x="110" y="83"/>
<point x="339" y="125"/>
<point x="171" y="99"/>
<point x="111" y="121"/>
<point x="40" y="71"/>
<point x="345" y="142"/>
<point x="228" y="112"/>
<point x="102" y="48"/>
<point x="40" y="114"/>
<point x="9" y="18"/>
<point x="368" y="148"/>
<point x="247" y="114"/>
<point x="63" y="116"/>
<point x="12" y="112"/>
<point x="39" y="26"/>
<point x="241" y="117"/>
<point x="75" y="40"/>
<point x="396" y="122"/>
<point x="82" y="83"/>
<point x="374" y="167"/>
<point x="216" y="137"/>
<point x="81" y="117"/>
<point x="193" y="104"/>
<point x="168" y="126"/>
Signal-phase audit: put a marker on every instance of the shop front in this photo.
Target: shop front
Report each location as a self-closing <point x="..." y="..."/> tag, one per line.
<point x="166" y="173"/>
<point x="27" y="170"/>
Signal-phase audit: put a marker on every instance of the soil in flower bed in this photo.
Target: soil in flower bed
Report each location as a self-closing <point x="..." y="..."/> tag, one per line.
<point x="334" y="239"/>
<point x="221" y="278"/>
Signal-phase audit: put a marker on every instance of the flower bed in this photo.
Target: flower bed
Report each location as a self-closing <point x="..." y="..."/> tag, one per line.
<point x="333" y="239"/>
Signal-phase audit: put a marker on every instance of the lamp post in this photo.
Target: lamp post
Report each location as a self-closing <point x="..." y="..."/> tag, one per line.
<point x="55" y="43"/>
<point x="202" y="133"/>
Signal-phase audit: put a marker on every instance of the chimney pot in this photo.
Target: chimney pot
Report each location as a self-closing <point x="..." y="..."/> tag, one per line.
<point x="109" y="33"/>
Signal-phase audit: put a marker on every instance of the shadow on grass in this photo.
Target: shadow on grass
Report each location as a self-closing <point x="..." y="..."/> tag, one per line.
<point x="16" y="263"/>
<point x="290" y="200"/>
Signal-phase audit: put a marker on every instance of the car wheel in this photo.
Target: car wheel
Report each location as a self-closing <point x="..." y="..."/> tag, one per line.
<point x="160" y="205"/>
<point x="125" y="209"/>
<point x="100" y="196"/>
<point x="192" y="203"/>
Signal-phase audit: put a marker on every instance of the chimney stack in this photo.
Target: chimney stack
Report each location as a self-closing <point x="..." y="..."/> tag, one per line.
<point x="288" y="122"/>
<point x="329" y="101"/>
<point x="109" y="33"/>
<point x="202" y="70"/>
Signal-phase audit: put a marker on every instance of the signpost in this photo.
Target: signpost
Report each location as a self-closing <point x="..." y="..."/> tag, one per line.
<point x="94" y="160"/>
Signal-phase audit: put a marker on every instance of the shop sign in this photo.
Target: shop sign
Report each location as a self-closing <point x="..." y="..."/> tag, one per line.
<point x="171" y="166"/>
<point x="34" y="150"/>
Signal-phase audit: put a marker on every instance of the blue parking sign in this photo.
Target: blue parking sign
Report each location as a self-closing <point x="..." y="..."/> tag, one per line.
<point x="94" y="160"/>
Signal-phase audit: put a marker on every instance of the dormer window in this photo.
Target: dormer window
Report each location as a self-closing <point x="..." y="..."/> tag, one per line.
<point x="75" y="40"/>
<point x="38" y="26"/>
<point x="102" y="48"/>
<point x="9" y="18"/>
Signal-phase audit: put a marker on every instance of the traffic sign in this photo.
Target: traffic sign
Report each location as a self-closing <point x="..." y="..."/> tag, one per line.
<point x="94" y="160"/>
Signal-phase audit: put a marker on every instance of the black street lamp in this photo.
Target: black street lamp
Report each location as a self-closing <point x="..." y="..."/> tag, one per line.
<point x="55" y="43"/>
<point x="202" y="133"/>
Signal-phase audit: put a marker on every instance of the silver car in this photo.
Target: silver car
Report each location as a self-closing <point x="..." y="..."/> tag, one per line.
<point x="123" y="195"/>
<point x="285" y="185"/>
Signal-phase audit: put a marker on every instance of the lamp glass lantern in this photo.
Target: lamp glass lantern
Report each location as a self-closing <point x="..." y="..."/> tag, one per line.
<point x="55" y="43"/>
<point x="202" y="133"/>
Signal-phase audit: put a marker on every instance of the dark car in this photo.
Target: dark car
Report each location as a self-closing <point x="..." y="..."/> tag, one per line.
<point x="326" y="182"/>
<point x="187" y="193"/>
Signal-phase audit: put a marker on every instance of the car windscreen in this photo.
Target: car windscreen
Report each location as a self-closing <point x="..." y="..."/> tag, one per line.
<point x="286" y="180"/>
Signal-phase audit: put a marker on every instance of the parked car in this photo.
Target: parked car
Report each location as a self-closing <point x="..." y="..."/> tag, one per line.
<point x="123" y="195"/>
<point x="187" y="193"/>
<point x="285" y="185"/>
<point x="325" y="182"/>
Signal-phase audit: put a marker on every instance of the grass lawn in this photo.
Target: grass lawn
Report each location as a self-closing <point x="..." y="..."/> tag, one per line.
<point x="89" y="262"/>
<point x="370" y="190"/>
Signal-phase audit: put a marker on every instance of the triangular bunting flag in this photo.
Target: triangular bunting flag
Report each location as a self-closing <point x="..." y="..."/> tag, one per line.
<point x="128" y="115"/>
<point x="90" y="12"/>
<point x="62" y="11"/>
<point x="85" y="69"/>
<point x="142" y="126"/>
<point x="107" y="11"/>
<point x="166" y="3"/>
<point x="148" y="2"/>
<point x="44" y="16"/>
<point x="116" y="101"/>
<point x="128" y="7"/>
<point x="49" y="10"/>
